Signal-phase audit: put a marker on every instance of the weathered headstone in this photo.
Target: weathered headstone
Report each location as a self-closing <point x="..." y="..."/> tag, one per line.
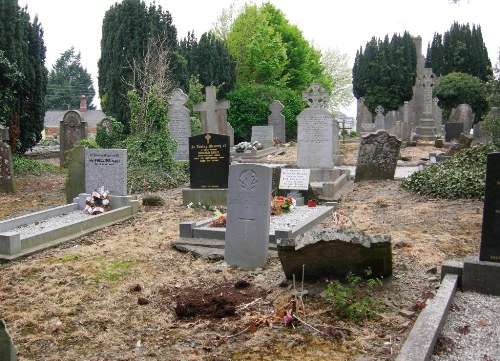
<point x="277" y="120"/>
<point x="452" y="131"/>
<point x="179" y="124"/>
<point x="315" y="131"/>
<point x="73" y="128"/>
<point x="490" y="235"/>
<point x="377" y="157"/>
<point x="390" y="121"/>
<point x="7" y="348"/>
<point x="106" y="126"/>
<point x="426" y="127"/>
<point x="481" y="135"/>
<point x="6" y="171"/>
<point x="264" y="135"/>
<point x="379" y="118"/>
<point x="437" y="115"/>
<point x="363" y="116"/>
<point x="213" y="113"/>
<point x="248" y="216"/>
<point x="209" y="161"/>
<point x="106" y="168"/>
<point x="463" y="114"/>
<point x="230" y="132"/>
<point x="75" y="182"/>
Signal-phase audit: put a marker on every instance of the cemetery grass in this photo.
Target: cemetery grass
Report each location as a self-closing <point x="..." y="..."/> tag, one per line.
<point x="114" y="294"/>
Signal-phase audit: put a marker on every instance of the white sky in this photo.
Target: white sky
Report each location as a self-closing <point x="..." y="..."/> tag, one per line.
<point x="346" y="25"/>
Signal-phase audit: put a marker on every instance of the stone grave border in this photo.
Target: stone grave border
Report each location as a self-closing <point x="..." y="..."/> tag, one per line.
<point x="12" y="247"/>
<point x="209" y="242"/>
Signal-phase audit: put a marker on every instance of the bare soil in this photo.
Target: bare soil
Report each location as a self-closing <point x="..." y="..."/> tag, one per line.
<point x="123" y="293"/>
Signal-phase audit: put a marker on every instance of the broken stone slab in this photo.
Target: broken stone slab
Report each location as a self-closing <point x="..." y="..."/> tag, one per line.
<point x="7" y="348"/>
<point x="335" y="253"/>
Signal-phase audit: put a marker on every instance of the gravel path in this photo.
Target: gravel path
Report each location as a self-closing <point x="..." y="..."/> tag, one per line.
<point x="472" y="329"/>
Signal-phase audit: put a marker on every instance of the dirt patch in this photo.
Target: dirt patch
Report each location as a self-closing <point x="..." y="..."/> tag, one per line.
<point x="112" y="295"/>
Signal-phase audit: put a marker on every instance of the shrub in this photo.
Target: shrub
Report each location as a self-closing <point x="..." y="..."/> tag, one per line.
<point x="108" y="141"/>
<point x="25" y="166"/>
<point x="462" y="176"/>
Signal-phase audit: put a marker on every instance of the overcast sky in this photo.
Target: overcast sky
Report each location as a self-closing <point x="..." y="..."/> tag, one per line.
<point x="345" y="25"/>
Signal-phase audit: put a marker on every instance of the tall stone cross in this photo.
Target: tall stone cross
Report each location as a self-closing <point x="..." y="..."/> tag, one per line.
<point x="315" y="96"/>
<point x="213" y="113"/>
<point x="342" y="130"/>
<point x="427" y="80"/>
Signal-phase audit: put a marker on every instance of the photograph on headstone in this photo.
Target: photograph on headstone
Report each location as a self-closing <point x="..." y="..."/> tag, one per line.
<point x="209" y="161"/>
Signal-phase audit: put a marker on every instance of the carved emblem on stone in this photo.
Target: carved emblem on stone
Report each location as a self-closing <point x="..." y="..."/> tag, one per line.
<point x="248" y="179"/>
<point x="315" y="96"/>
<point x="72" y="119"/>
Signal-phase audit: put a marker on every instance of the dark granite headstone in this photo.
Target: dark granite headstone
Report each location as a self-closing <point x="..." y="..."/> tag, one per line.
<point x="490" y="235"/>
<point x="452" y="131"/>
<point x="7" y="349"/>
<point x="209" y="161"/>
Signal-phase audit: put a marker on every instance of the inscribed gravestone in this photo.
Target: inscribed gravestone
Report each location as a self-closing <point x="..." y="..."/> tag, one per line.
<point x="490" y="235"/>
<point x="106" y="126"/>
<point x="213" y="113"/>
<point x="294" y="179"/>
<point x="315" y="131"/>
<point x="6" y="171"/>
<point x="73" y="128"/>
<point x="452" y="131"/>
<point x="277" y="120"/>
<point x="264" y="135"/>
<point x="106" y="168"/>
<point x="209" y="161"/>
<point x="463" y="114"/>
<point x="377" y="157"/>
<point x="248" y="215"/>
<point x="179" y="124"/>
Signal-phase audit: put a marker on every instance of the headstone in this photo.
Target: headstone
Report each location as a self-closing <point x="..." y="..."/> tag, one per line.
<point x="213" y="113"/>
<point x="7" y="348"/>
<point x="490" y="235"/>
<point x="390" y="121"/>
<point x="379" y="118"/>
<point x="452" y="131"/>
<point x="481" y="135"/>
<point x="377" y="157"/>
<point x="437" y="115"/>
<point x="73" y="128"/>
<point x="248" y="216"/>
<point x="107" y="126"/>
<point x="209" y="161"/>
<point x="230" y="132"/>
<point x="179" y="124"/>
<point x="106" y="168"/>
<point x="426" y="128"/>
<point x="264" y="135"/>
<point x="315" y="131"/>
<point x="463" y="114"/>
<point x="363" y="116"/>
<point x="75" y="182"/>
<point x="277" y="120"/>
<point x="6" y="170"/>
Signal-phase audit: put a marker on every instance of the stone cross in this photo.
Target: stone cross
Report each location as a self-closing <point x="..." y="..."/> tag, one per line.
<point x="342" y="130"/>
<point x="315" y="96"/>
<point x="211" y="122"/>
<point x="427" y="80"/>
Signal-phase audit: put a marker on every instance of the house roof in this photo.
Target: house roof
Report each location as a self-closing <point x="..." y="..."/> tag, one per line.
<point x="92" y="117"/>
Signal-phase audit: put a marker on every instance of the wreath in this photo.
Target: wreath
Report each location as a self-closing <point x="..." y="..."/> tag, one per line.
<point x="98" y="202"/>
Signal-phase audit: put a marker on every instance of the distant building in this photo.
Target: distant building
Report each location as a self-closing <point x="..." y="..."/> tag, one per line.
<point x="53" y="117"/>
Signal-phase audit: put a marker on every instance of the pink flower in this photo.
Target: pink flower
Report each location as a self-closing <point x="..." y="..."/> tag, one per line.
<point x="288" y="319"/>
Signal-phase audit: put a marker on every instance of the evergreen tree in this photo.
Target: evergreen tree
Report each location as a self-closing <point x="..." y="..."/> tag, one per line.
<point x="384" y="73"/>
<point x="23" y="85"/>
<point x="461" y="50"/>
<point x="67" y="82"/>
<point x="126" y="30"/>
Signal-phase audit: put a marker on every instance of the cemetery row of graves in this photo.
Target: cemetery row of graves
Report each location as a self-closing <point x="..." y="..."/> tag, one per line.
<point x="124" y="263"/>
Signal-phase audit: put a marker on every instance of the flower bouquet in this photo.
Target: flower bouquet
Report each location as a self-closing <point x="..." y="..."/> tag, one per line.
<point x="280" y="204"/>
<point x="98" y="202"/>
<point x="220" y="221"/>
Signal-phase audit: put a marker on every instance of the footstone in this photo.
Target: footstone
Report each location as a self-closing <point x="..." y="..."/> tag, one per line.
<point x="248" y="216"/>
<point x="490" y="235"/>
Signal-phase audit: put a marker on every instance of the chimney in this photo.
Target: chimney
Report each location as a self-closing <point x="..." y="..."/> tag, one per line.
<point x="83" y="103"/>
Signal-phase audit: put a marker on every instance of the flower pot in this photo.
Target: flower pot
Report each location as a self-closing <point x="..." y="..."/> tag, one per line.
<point x="311" y="203"/>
